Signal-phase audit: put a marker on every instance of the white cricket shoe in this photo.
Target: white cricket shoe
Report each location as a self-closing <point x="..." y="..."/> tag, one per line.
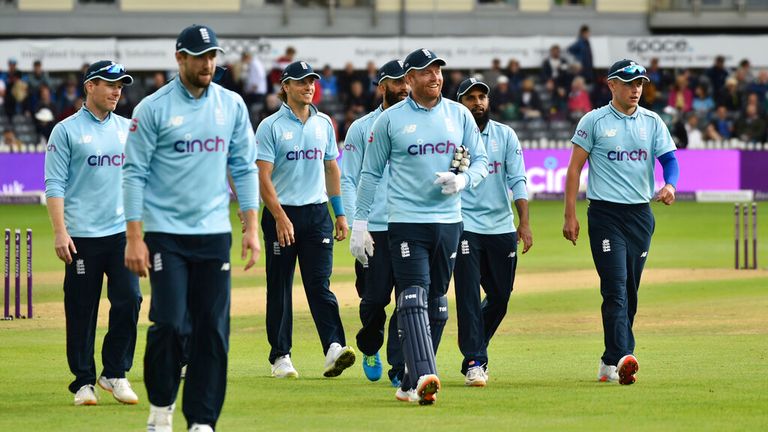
<point x="627" y="367"/>
<point x="120" y="388"/>
<point x="86" y="395"/>
<point x="426" y="388"/>
<point x="283" y="368"/>
<point x="476" y="377"/>
<point x="607" y="373"/>
<point x="160" y="418"/>
<point x="197" y="427"/>
<point x="337" y="359"/>
<point x="406" y="396"/>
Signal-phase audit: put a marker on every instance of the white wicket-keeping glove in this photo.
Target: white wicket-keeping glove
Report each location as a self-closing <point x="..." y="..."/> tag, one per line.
<point x="361" y="242"/>
<point x="451" y="183"/>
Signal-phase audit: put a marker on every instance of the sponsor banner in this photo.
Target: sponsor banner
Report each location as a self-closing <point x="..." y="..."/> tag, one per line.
<point x="464" y="53"/>
<point x="753" y="170"/>
<point x="22" y="172"/>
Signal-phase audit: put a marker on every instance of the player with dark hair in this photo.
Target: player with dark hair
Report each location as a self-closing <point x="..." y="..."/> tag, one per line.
<point x="417" y="139"/>
<point x="622" y="141"/>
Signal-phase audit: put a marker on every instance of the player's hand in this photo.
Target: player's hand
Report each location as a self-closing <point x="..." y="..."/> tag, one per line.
<point x="137" y="257"/>
<point x="64" y="246"/>
<point x="341" y="228"/>
<point x="451" y="183"/>
<point x="250" y="243"/>
<point x="284" y="228"/>
<point x="571" y="229"/>
<point x="666" y="194"/>
<point x="361" y="242"/>
<point x="242" y="220"/>
<point x="525" y="235"/>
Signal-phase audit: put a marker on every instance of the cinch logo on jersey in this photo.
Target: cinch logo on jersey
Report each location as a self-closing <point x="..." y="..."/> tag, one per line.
<point x="349" y="147"/>
<point x="106" y="160"/>
<point x="304" y="154"/>
<point x="429" y="148"/>
<point x="494" y="168"/>
<point x="634" y="155"/>
<point x="209" y="145"/>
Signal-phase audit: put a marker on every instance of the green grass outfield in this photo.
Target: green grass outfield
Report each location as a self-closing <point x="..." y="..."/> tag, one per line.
<point x="702" y="346"/>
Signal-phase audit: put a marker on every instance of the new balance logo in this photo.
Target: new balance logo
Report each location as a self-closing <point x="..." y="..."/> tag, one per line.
<point x="465" y="247"/>
<point x="80" y="267"/>
<point x="275" y="248"/>
<point x="609" y="133"/>
<point x="453" y="256"/>
<point x="512" y="254"/>
<point x="411" y="128"/>
<point x="225" y="267"/>
<point x="326" y="241"/>
<point x="606" y="245"/>
<point x="405" y="251"/>
<point x="157" y="262"/>
<point x="644" y="254"/>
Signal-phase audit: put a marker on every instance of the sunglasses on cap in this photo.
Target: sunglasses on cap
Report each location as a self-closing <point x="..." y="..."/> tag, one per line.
<point x="114" y="68"/>
<point x="631" y="69"/>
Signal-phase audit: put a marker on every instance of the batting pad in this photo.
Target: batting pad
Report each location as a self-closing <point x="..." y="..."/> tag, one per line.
<point x="414" y="334"/>
<point x="438" y="316"/>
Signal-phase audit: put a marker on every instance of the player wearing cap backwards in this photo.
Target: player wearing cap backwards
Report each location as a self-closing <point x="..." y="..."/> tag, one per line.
<point x="417" y="139"/>
<point x="621" y="141"/>
<point x="375" y="280"/>
<point x="487" y="253"/>
<point x="183" y="139"/>
<point x="298" y="175"/>
<point x="83" y="174"/>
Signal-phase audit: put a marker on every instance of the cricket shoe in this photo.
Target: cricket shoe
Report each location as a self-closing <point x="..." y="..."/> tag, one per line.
<point x="337" y="359"/>
<point x="372" y="367"/>
<point x="476" y="377"/>
<point x="607" y="373"/>
<point x="627" y="368"/>
<point x="120" y="388"/>
<point x="86" y="395"/>
<point x="426" y="388"/>
<point x="283" y="368"/>
<point x="406" y="395"/>
<point x="197" y="427"/>
<point x="160" y="418"/>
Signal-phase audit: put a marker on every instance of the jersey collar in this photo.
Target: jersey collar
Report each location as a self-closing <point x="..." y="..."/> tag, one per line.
<point x="621" y="115"/>
<point x="289" y="112"/>
<point x="415" y="105"/>
<point x="96" y="119"/>
<point x="186" y="93"/>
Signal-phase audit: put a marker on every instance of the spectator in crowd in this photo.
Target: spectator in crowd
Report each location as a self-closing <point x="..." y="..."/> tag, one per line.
<point x="329" y="83"/>
<point x="760" y="87"/>
<point x="601" y="95"/>
<point x="158" y="80"/>
<point x="71" y="109"/>
<point x="38" y="77"/>
<point x="744" y="72"/>
<point x="491" y="75"/>
<point x="730" y="96"/>
<point x="657" y="76"/>
<point x="557" y="107"/>
<point x="553" y="66"/>
<point x="272" y="104"/>
<point x="750" y="127"/>
<point x="17" y="94"/>
<point x="680" y="96"/>
<point x="721" y="126"/>
<point x="514" y="74"/>
<point x="578" y="100"/>
<point x="753" y="100"/>
<point x="686" y="132"/>
<point x="239" y="71"/>
<point x="255" y="83"/>
<point x="503" y="101"/>
<point x="2" y="97"/>
<point x="717" y="74"/>
<point x="66" y="95"/>
<point x="10" y="141"/>
<point x="451" y="84"/>
<point x="703" y="104"/>
<point x="528" y="101"/>
<point x="280" y="64"/>
<point x="369" y="80"/>
<point x="12" y="70"/>
<point x="581" y="50"/>
<point x="346" y="77"/>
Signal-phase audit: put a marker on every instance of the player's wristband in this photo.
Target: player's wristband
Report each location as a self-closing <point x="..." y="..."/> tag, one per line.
<point x="338" y="205"/>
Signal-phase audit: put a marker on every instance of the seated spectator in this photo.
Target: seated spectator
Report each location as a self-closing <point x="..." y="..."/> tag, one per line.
<point x="357" y="103"/>
<point x="750" y="128"/>
<point x="730" y="96"/>
<point x="528" y="101"/>
<point x="38" y="77"/>
<point x="44" y="99"/>
<point x="44" y="122"/>
<point x="657" y="76"/>
<point x="503" y="101"/>
<point x="329" y="83"/>
<point x="702" y="103"/>
<point x="753" y="99"/>
<point x="345" y="79"/>
<point x="686" y="133"/>
<point x="680" y="96"/>
<point x="490" y="76"/>
<point x="158" y="80"/>
<point x="558" y="101"/>
<point x="2" y="97"/>
<point x="71" y="109"/>
<point x="760" y="87"/>
<point x="578" y="100"/>
<point x="66" y="96"/>
<point x="553" y="66"/>
<point x="10" y="141"/>
<point x="601" y="94"/>
<point x="514" y="74"/>
<point x="272" y="104"/>
<point x="451" y="84"/>
<point x="721" y="126"/>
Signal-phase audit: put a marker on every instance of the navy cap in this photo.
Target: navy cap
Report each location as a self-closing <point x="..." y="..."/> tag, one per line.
<point x="467" y="85"/>
<point x="197" y="39"/>
<point x="107" y="70"/>
<point x="391" y="69"/>
<point x="626" y="70"/>
<point x="297" y="71"/>
<point x="420" y="59"/>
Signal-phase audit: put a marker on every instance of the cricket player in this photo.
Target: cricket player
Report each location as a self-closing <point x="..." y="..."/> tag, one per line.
<point x="487" y="253"/>
<point x="183" y="139"/>
<point x="298" y="176"/>
<point x="622" y="141"/>
<point x="418" y="139"/>
<point x="375" y="280"/>
<point x="83" y="175"/>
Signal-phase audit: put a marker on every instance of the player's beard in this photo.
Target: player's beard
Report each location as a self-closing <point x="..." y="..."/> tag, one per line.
<point x="392" y="98"/>
<point x="481" y="118"/>
<point x="198" y="81"/>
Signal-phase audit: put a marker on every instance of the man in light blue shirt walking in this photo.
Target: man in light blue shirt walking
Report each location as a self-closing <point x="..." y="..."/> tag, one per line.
<point x="487" y="253"/>
<point x="417" y="139"/>
<point x="183" y="139"/>
<point x="83" y="175"/>
<point x="375" y="280"/>
<point x="621" y="141"/>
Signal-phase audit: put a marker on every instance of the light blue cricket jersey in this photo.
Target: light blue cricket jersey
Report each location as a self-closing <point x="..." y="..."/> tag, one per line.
<point x="418" y="142"/>
<point x="486" y="208"/>
<point x="351" y="165"/>
<point x="622" y="153"/>
<point x="178" y="152"/>
<point x="298" y="151"/>
<point x="83" y="165"/>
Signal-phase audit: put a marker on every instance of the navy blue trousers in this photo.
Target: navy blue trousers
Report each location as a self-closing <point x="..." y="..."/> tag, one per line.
<point x="488" y="261"/>
<point x="313" y="232"/>
<point x="619" y="236"/>
<point x="374" y="285"/>
<point x="83" y="280"/>
<point x="423" y="254"/>
<point x="191" y="288"/>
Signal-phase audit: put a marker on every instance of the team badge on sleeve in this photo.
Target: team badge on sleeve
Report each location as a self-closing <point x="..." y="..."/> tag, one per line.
<point x="460" y="162"/>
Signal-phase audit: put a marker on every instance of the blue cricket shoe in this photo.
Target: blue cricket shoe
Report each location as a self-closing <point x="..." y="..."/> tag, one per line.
<point x="372" y="367"/>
